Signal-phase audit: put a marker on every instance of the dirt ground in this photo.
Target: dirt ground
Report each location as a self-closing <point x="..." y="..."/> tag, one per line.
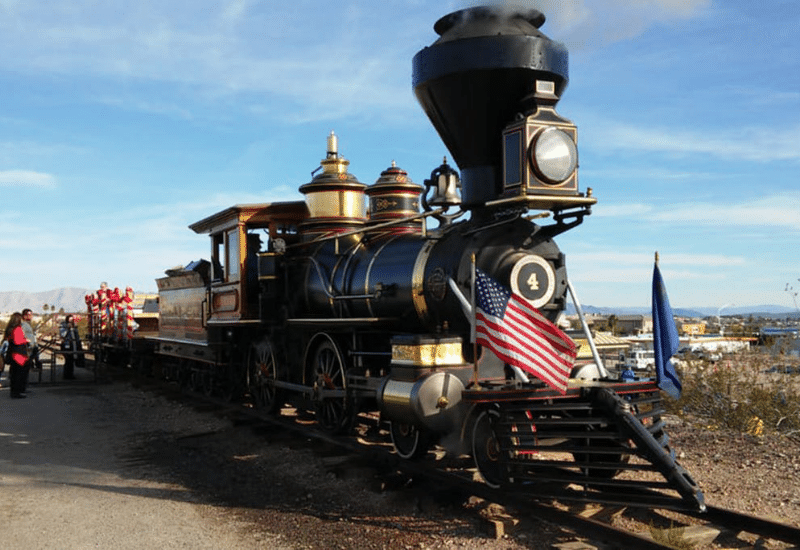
<point x="89" y="465"/>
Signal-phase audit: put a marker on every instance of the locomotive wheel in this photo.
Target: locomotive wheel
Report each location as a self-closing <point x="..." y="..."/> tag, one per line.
<point x="409" y="441"/>
<point x="486" y="449"/>
<point x="334" y="414"/>
<point x="206" y="379"/>
<point x="263" y="371"/>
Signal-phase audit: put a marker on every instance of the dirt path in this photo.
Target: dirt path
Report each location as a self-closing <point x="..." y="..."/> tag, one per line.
<point x="64" y="482"/>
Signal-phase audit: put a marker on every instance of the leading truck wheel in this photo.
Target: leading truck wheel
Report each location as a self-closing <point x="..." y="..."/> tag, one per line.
<point x="410" y="441"/>
<point x="263" y="373"/>
<point x="486" y="449"/>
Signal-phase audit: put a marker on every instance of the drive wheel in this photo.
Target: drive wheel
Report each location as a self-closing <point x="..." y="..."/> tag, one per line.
<point x="410" y="442"/>
<point x="263" y="373"/>
<point x="486" y="449"/>
<point x="327" y="373"/>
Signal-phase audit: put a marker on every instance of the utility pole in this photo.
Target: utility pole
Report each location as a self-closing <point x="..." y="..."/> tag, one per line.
<point x="719" y="319"/>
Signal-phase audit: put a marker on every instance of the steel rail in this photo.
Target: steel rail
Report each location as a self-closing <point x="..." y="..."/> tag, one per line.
<point x="739" y="521"/>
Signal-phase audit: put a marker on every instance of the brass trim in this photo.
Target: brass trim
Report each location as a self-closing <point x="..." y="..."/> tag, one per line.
<point x="428" y="355"/>
<point x="368" y="273"/>
<point x="344" y="266"/>
<point x="232" y="321"/>
<point x="338" y="321"/>
<point x="545" y="202"/>
<point x="334" y="165"/>
<point x="551" y="279"/>
<point x="336" y="204"/>
<point x="418" y="281"/>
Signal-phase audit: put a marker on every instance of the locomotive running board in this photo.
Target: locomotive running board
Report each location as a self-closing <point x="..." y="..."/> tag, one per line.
<point x="597" y="447"/>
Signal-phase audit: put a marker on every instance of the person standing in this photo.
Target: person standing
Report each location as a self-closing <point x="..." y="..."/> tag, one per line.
<point x="70" y="344"/>
<point x="17" y="356"/>
<point x="30" y="334"/>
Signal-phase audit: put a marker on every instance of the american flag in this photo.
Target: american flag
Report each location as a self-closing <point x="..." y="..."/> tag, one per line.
<point x="520" y="335"/>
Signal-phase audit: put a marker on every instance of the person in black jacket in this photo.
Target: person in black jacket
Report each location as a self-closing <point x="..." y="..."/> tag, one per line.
<point x="70" y="343"/>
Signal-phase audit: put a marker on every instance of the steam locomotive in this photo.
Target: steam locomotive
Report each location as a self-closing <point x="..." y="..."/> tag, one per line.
<point x="357" y="298"/>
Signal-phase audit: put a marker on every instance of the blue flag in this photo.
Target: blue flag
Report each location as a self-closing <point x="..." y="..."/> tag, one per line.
<point x="665" y="338"/>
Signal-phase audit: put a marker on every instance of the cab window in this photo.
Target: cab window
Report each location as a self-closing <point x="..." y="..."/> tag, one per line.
<point x="218" y="257"/>
<point x="225" y="256"/>
<point x="233" y="255"/>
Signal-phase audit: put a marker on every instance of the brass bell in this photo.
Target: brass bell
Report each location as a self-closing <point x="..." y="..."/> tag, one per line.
<point x="444" y="182"/>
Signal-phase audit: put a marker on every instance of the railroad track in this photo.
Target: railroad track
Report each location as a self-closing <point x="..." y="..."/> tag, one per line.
<point x="371" y="444"/>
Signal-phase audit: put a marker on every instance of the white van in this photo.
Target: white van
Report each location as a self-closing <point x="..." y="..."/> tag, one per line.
<point x="637" y="359"/>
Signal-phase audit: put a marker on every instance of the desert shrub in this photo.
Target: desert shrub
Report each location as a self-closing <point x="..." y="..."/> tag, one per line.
<point x="737" y="393"/>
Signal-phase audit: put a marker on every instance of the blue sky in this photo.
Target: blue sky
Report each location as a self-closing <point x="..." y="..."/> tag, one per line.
<point x="121" y="123"/>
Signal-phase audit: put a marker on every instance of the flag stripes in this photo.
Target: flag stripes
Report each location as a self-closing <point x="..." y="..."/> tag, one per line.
<point x="520" y="335"/>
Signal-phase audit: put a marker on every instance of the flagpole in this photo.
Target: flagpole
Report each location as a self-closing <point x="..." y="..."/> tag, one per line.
<point x="474" y="327"/>
<point x="586" y="331"/>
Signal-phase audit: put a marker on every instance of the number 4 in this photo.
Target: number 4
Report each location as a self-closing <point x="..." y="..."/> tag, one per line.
<point x="533" y="282"/>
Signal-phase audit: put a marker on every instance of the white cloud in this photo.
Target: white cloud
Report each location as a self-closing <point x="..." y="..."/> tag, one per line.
<point x="20" y="151"/>
<point x="625" y="211"/>
<point x="145" y="105"/>
<point x="239" y="49"/>
<point x="235" y="10"/>
<point x="594" y="23"/>
<point x="634" y="260"/>
<point x="775" y="211"/>
<point x="751" y="143"/>
<point x="218" y="52"/>
<point x="26" y="178"/>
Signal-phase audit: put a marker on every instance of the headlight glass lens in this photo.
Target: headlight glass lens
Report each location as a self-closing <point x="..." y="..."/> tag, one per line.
<point x="555" y="156"/>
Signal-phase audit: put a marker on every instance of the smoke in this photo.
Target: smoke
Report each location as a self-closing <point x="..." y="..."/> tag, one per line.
<point x="595" y="23"/>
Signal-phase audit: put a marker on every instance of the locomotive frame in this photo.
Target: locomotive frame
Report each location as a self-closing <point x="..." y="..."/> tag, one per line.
<point x="330" y="305"/>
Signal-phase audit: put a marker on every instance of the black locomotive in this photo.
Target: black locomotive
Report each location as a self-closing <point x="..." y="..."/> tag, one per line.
<point x="357" y="298"/>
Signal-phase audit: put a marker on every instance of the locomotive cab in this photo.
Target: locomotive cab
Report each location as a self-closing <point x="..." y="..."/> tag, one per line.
<point x="243" y="236"/>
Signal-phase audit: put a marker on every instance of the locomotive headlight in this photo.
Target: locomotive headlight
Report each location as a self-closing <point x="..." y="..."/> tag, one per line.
<point x="554" y="155"/>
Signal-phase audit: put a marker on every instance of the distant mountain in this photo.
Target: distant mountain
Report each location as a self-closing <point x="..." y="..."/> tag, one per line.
<point x="746" y="311"/>
<point x="71" y="300"/>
